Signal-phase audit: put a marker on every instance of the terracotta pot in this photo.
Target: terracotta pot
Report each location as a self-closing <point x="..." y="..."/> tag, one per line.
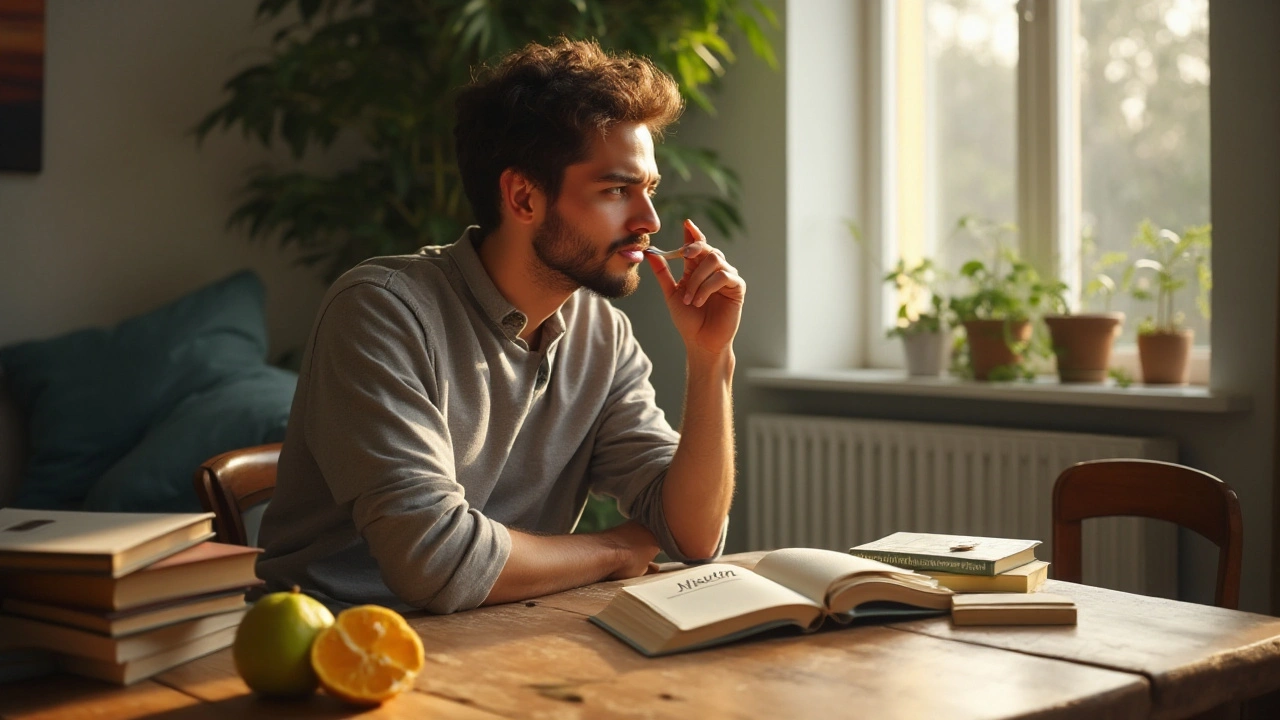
<point x="1082" y="344"/>
<point x="1165" y="357"/>
<point x="989" y="344"/>
<point x="926" y="353"/>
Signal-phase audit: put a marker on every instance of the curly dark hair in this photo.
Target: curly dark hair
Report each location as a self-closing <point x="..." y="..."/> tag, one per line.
<point x="537" y="110"/>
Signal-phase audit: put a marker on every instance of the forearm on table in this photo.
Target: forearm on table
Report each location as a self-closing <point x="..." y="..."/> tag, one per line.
<point x="698" y="489"/>
<point x="544" y="564"/>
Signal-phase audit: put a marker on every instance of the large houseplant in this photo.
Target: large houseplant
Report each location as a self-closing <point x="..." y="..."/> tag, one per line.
<point x="386" y="71"/>
<point x="1005" y="297"/>
<point x="1170" y="262"/>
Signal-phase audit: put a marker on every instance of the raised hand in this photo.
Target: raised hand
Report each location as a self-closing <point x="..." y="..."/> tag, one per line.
<point x="706" y="303"/>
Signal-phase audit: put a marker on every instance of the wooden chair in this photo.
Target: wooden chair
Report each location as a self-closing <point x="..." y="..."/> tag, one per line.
<point x="231" y="483"/>
<point x="1148" y="488"/>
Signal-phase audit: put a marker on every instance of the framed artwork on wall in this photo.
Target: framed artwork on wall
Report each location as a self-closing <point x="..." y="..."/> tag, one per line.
<point x="21" y="85"/>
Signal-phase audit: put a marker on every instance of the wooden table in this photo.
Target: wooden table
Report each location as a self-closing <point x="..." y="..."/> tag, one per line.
<point x="1129" y="657"/>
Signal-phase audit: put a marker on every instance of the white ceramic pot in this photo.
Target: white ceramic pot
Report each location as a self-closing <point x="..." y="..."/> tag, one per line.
<point x="927" y="353"/>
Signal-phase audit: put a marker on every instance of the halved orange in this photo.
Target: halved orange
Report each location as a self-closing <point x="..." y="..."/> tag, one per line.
<point x="369" y="655"/>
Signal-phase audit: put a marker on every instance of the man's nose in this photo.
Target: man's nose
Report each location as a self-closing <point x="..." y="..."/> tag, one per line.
<point x="644" y="219"/>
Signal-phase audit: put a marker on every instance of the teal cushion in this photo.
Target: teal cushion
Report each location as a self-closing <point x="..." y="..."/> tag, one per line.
<point x="89" y="396"/>
<point x="156" y="476"/>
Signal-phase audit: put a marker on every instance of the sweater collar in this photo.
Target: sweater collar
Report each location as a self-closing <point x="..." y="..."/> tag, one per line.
<point x="504" y="316"/>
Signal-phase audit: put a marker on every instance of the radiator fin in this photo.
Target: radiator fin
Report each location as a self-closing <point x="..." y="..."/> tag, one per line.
<point x="834" y="483"/>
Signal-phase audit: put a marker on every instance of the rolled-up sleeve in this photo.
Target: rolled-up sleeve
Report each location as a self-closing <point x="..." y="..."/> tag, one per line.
<point x="635" y="444"/>
<point x="394" y="465"/>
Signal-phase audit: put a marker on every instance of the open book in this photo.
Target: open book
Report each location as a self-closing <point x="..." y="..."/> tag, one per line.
<point x="717" y="603"/>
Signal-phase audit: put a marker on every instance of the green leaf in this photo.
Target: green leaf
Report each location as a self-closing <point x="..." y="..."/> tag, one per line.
<point x="755" y="37"/>
<point x="766" y="12"/>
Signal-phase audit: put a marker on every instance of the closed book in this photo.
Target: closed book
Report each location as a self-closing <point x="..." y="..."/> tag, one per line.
<point x="118" y="623"/>
<point x="21" y="632"/>
<point x="1022" y="579"/>
<point x="205" y="568"/>
<point x="112" y="544"/>
<point x="1011" y="609"/>
<point x="961" y="554"/>
<point x="131" y="671"/>
<point x="717" y="603"/>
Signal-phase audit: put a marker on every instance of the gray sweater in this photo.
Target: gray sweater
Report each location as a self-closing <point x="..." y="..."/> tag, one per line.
<point x="423" y="427"/>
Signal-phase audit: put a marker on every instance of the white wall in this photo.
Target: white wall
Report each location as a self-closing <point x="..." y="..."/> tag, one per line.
<point x="822" y="180"/>
<point x="128" y="213"/>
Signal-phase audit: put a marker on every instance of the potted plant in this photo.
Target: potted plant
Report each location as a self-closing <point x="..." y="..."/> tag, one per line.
<point x="921" y="325"/>
<point x="1082" y="341"/>
<point x="1005" y="297"/>
<point x="1171" y="262"/>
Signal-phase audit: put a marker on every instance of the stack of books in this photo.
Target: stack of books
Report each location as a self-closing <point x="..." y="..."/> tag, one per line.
<point x="118" y="596"/>
<point x="990" y="568"/>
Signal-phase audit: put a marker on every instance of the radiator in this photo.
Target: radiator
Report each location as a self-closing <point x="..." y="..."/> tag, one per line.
<point x="833" y="483"/>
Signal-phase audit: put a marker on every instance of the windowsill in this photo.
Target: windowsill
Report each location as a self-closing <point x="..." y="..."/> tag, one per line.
<point x="1044" y="390"/>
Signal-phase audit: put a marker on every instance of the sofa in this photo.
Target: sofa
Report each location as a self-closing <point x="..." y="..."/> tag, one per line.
<point x="118" y="419"/>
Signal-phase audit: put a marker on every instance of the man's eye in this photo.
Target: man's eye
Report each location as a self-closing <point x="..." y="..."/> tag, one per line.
<point x="620" y="190"/>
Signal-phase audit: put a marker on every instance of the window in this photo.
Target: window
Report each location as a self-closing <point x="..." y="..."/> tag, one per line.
<point x="1144" y="110"/>
<point x="1074" y="119"/>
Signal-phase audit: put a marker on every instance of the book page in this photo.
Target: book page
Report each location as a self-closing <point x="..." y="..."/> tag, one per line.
<point x="812" y="572"/>
<point x="711" y="593"/>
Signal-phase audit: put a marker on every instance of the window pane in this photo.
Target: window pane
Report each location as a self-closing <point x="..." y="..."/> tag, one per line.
<point x="1144" y="103"/>
<point x="972" y="50"/>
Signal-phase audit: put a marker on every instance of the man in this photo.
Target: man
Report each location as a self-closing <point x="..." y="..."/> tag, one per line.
<point x="455" y="407"/>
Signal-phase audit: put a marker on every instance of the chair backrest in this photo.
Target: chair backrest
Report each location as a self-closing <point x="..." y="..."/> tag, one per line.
<point x="1148" y="488"/>
<point x="231" y="483"/>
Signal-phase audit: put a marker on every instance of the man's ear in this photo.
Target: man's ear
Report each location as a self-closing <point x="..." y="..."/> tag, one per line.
<point x="522" y="199"/>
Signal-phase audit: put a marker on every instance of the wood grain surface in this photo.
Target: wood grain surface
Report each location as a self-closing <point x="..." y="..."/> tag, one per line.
<point x="1130" y="657"/>
<point x="1195" y="656"/>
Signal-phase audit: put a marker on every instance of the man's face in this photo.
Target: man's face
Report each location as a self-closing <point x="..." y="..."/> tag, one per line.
<point x="593" y="234"/>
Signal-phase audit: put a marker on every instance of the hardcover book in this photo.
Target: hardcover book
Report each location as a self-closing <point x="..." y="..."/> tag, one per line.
<point x="117" y="623"/>
<point x="20" y="632"/>
<point x="112" y="544"/>
<point x="1022" y="579"/>
<point x="131" y="671"/>
<point x="205" y="568"/>
<point x="961" y="554"/>
<point x="1007" y="609"/>
<point x="717" y="603"/>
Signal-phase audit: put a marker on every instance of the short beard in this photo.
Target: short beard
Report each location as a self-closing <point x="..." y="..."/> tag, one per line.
<point x="569" y="260"/>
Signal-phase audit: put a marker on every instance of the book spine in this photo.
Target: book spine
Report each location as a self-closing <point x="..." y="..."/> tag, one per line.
<point x="929" y="562"/>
